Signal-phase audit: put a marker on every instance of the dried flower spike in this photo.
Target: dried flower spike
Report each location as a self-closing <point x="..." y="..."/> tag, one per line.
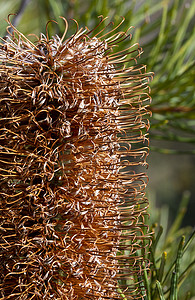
<point x="73" y="129"/>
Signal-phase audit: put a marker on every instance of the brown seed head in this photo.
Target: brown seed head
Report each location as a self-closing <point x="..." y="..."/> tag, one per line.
<point x="73" y="131"/>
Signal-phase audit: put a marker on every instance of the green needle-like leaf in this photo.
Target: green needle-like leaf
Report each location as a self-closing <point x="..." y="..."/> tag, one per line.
<point x="156" y="240"/>
<point x="160" y="290"/>
<point x="162" y="266"/>
<point x="175" y="274"/>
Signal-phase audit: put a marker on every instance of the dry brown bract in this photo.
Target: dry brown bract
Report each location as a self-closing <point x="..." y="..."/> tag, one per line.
<point x="73" y="129"/>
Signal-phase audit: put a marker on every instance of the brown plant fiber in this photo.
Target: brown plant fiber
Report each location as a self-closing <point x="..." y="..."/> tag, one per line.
<point x="73" y="131"/>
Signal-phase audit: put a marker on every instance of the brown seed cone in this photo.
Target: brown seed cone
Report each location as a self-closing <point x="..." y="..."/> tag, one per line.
<point x="72" y="130"/>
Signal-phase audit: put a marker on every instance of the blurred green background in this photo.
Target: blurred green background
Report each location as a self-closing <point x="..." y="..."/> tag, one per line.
<point x="166" y="31"/>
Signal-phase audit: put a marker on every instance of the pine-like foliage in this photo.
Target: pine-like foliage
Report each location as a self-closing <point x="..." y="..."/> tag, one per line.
<point x="73" y="129"/>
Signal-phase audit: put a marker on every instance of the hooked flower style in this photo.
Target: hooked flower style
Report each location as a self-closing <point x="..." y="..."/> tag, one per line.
<point x="73" y="132"/>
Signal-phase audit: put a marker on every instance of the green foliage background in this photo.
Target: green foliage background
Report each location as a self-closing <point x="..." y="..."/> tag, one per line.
<point x="166" y="31"/>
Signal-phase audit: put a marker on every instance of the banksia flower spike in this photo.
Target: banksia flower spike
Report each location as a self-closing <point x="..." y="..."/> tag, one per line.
<point x="73" y="131"/>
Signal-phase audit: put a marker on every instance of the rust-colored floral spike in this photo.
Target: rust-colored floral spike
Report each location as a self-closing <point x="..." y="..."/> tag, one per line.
<point x="73" y="131"/>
